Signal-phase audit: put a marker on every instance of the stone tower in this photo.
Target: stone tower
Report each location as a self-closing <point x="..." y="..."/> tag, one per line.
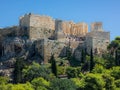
<point x="36" y="26"/>
<point x="97" y="39"/>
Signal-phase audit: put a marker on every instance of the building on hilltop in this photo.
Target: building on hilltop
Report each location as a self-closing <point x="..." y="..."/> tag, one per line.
<point x="38" y="27"/>
<point x="97" y="39"/>
<point x="97" y="26"/>
<point x="38" y="36"/>
<point x="47" y="31"/>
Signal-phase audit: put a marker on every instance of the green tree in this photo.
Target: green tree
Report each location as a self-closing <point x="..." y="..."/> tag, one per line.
<point x="69" y="53"/>
<point x="62" y="84"/>
<point x="3" y="80"/>
<point x="109" y="60"/>
<point x="94" y="82"/>
<point x="109" y="82"/>
<point x="18" y="67"/>
<point x="98" y="69"/>
<point x="114" y="45"/>
<point x="92" y="63"/>
<point x="53" y="65"/>
<point x="26" y="86"/>
<point x="79" y="83"/>
<point x="82" y="56"/>
<point x="117" y="57"/>
<point x="86" y="65"/>
<point x="117" y="83"/>
<point x="73" y="72"/>
<point x="61" y="70"/>
<point x="36" y="70"/>
<point x="115" y="72"/>
<point x="40" y="84"/>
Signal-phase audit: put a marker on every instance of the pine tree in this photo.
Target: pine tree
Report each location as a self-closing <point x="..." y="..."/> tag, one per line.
<point x="53" y="65"/>
<point x="92" y="64"/>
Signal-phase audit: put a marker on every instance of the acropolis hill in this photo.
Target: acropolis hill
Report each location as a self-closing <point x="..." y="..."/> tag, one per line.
<point x="37" y="37"/>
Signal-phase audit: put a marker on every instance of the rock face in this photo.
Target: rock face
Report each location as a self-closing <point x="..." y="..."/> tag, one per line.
<point x="7" y="67"/>
<point x="37" y="37"/>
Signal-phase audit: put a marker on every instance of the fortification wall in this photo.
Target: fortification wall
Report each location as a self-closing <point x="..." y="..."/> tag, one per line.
<point x="59" y="49"/>
<point x="99" y="34"/>
<point x="97" y="26"/>
<point x="40" y="33"/>
<point x="98" y="41"/>
<point x="67" y="29"/>
<point x="61" y="28"/>
<point x="42" y="21"/>
<point x="78" y="29"/>
<point x="24" y="21"/>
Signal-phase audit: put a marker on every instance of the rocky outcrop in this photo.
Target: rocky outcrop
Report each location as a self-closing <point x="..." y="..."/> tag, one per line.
<point x="38" y="37"/>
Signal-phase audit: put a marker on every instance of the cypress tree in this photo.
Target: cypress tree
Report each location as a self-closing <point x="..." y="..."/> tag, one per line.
<point x="53" y="65"/>
<point x="92" y="64"/>
<point x="19" y="65"/>
<point x="69" y="52"/>
<point x="116" y="58"/>
<point x="82" y="56"/>
<point x="85" y="54"/>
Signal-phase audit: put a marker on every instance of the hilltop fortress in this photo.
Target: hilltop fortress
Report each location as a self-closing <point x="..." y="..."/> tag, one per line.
<point x="37" y="37"/>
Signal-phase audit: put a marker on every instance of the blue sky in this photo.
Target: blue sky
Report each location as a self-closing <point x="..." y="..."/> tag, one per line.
<point x="106" y="11"/>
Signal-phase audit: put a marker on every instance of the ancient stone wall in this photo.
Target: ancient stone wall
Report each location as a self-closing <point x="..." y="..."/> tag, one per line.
<point x="42" y="21"/>
<point x="36" y="26"/>
<point x="45" y="48"/>
<point x="24" y="21"/>
<point x="78" y="29"/>
<point x="97" y="26"/>
<point x="98" y="41"/>
<point x="61" y="28"/>
<point x="65" y="30"/>
<point x="59" y="34"/>
<point x="99" y="34"/>
<point x="40" y="33"/>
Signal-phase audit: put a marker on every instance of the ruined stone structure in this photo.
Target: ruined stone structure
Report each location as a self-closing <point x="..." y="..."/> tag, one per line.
<point x="97" y="39"/>
<point x="37" y="37"/>
<point x="38" y="27"/>
<point x="96" y="26"/>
